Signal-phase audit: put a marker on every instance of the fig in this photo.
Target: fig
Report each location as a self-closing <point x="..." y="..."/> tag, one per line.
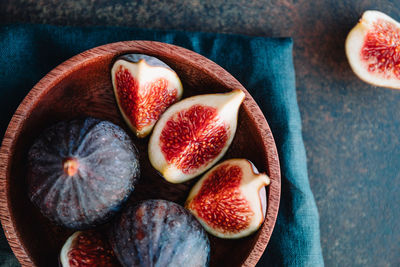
<point x="87" y="249"/>
<point x="144" y="88"/>
<point x="230" y="199"/>
<point x="373" y="49"/>
<point x="159" y="233"/>
<point x="193" y="134"/>
<point x="81" y="171"/>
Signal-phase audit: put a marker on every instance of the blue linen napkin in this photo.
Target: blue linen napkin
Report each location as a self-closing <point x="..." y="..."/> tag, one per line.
<point x="263" y="65"/>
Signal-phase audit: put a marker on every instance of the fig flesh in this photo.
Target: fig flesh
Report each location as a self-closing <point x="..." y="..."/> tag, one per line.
<point x="87" y="249"/>
<point x="230" y="199"/>
<point x="373" y="49"/>
<point x="193" y="134"/>
<point x="159" y="233"/>
<point x="144" y="88"/>
<point x="81" y="171"/>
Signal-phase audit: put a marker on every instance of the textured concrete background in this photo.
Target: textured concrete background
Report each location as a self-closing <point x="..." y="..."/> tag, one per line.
<point x="351" y="129"/>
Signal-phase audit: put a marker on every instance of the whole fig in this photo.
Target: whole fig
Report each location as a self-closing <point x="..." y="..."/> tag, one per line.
<point x="81" y="171"/>
<point x="159" y="233"/>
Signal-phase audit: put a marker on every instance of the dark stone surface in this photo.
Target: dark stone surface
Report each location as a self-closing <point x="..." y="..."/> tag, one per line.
<point x="351" y="129"/>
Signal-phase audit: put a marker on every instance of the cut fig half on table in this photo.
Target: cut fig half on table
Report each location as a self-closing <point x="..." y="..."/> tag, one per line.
<point x="144" y="88"/>
<point x="193" y="134"/>
<point x="230" y="199"/>
<point x="87" y="248"/>
<point x="373" y="49"/>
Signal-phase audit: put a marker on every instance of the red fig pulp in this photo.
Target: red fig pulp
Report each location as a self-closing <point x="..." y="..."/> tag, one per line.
<point x="193" y="134"/>
<point x="87" y="249"/>
<point x="373" y="49"/>
<point x="144" y="88"/>
<point x="176" y="137"/>
<point x="227" y="199"/>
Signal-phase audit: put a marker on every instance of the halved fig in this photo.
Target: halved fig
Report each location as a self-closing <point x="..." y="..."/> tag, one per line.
<point x="373" y="49"/>
<point x="159" y="233"/>
<point x="193" y="134"/>
<point x="88" y="248"/>
<point x="230" y="199"/>
<point x="144" y="88"/>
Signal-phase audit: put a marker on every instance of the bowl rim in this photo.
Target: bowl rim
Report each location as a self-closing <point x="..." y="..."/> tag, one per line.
<point x="72" y="64"/>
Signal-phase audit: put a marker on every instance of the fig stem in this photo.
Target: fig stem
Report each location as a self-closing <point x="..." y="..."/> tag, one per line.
<point x="261" y="180"/>
<point x="70" y="166"/>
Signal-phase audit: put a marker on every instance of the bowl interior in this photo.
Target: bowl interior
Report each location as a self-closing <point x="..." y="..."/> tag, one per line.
<point x="82" y="86"/>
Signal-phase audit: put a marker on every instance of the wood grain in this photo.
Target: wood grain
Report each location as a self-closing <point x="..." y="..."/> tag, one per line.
<point x="81" y="86"/>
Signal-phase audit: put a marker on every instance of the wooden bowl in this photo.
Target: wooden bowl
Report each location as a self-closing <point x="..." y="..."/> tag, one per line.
<point x="82" y="86"/>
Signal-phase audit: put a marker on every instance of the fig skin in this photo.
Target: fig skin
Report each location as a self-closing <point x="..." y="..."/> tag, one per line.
<point x="80" y="172"/>
<point x="373" y="49"/>
<point x="159" y="233"/>
<point x="149" y="60"/>
<point x="193" y="134"/>
<point x="87" y="248"/>
<point x="230" y="199"/>
<point x="144" y="87"/>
